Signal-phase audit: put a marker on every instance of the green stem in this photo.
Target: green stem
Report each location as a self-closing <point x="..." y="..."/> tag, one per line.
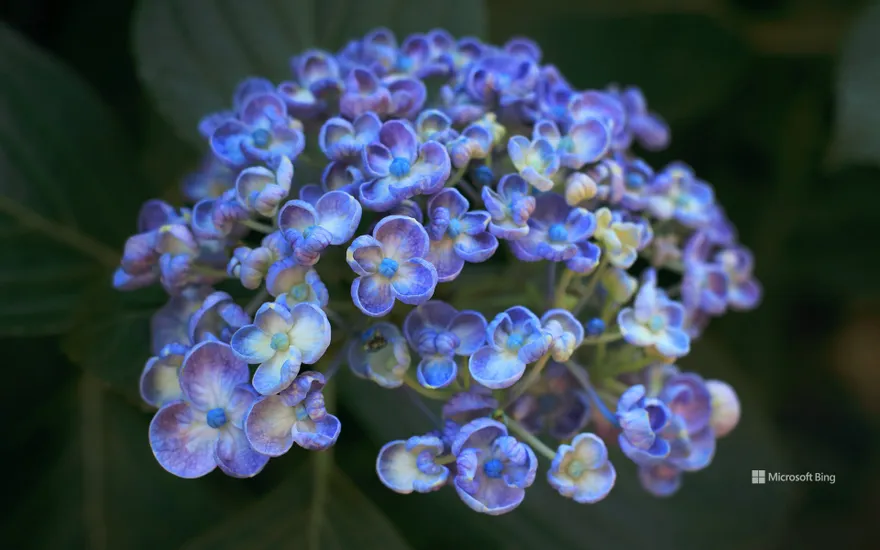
<point x="527" y="437"/>
<point x="579" y="375"/>
<point x="453" y="181"/>
<point x="564" y="282"/>
<point x="617" y="370"/>
<point x="591" y="286"/>
<point x="603" y="339"/>
<point x="209" y="272"/>
<point x="448" y="459"/>
<point x="61" y="233"/>
<point x="469" y="191"/>
<point x="322" y="462"/>
<point x="257" y="226"/>
<point x="527" y="382"/>
<point x="256" y="301"/>
<point x="465" y="373"/>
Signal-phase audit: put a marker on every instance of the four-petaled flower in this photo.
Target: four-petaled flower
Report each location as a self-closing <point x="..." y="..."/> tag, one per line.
<point x="582" y="471"/>
<point x="291" y="283"/>
<point x="407" y="466"/>
<point x="620" y="240"/>
<point x="281" y="340"/>
<point x="744" y="291"/>
<point x="310" y="229"/>
<point x="263" y="132"/>
<point x="510" y="207"/>
<point x="586" y="141"/>
<point x="438" y="333"/>
<point x="536" y="161"/>
<point x="642" y="420"/>
<point x="261" y="190"/>
<point x="555" y="230"/>
<point x="391" y="266"/>
<point x="296" y="415"/>
<point x="565" y="330"/>
<point x="457" y="236"/>
<point x="204" y="430"/>
<point x="515" y="339"/>
<point x="655" y="320"/>
<point x="380" y="354"/>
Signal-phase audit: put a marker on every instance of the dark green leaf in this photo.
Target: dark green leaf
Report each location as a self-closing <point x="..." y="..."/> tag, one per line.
<point x="857" y="128"/>
<point x="192" y="53"/>
<point x="716" y="508"/>
<point x="68" y="196"/>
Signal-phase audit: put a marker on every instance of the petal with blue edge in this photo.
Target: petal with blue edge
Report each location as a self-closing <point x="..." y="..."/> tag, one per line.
<point x="252" y="344"/>
<point x="496" y="369"/>
<point x="415" y="281"/>
<point x="182" y="441"/>
<point x="470" y="328"/>
<point x="278" y="372"/>
<point x="235" y="456"/>
<point x="436" y="372"/>
<point x="402" y="238"/>
<point x="310" y="332"/>
<point x="316" y="435"/>
<point x="268" y="426"/>
<point x="373" y="295"/>
<point x="340" y="214"/>
<point x="210" y="373"/>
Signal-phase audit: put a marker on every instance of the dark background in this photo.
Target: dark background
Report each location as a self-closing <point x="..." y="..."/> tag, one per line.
<point x="754" y="91"/>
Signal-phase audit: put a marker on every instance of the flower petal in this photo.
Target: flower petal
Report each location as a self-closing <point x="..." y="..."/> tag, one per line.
<point x="436" y="372"/>
<point x="470" y="328"/>
<point x="235" y="456"/>
<point x="252" y="344"/>
<point x="434" y="313"/>
<point x="402" y="238"/>
<point x="415" y="281"/>
<point x="268" y="426"/>
<point x="632" y="331"/>
<point x="340" y="214"/>
<point x="278" y="372"/>
<point x="476" y="248"/>
<point x="594" y="485"/>
<point x="400" y="139"/>
<point x="210" y="373"/>
<point x="182" y="441"/>
<point x="160" y="383"/>
<point x="442" y="256"/>
<point x="452" y="200"/>
<point x="317" y="435"/>
<point x="297" y="214"/>
<point x="273" y="318"/>
<point x="373" y="295"/>
<point x="495" y="369"/>
<point x="310" y="332"/>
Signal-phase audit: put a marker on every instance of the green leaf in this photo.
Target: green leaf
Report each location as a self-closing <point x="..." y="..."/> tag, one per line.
<point x="67" y="191"/>
<point x="282" y="518"/>
<point x="716" y="508"/>
<point x="686" y="64"/>
<point x="857" y="124"/>
<point x="192" y="53"/>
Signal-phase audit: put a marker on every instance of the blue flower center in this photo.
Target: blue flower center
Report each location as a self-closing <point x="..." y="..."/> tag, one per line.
<point x="216" y="418"/>
<point x="400" y="167"/>
<point x="558" y="233"/>
<point x="657" y="322"/>
<point x="595" y="326"/>
<point x="404" y="63"/>
<point x="575" y="469"/>
<point x="301" y="413"/>
<point x="454" y="228"/>
<point x="309" y="230"/>
<point x="515" y="341"/>
<point x="280" y="341"/>
<point x="388" y="267"/>
<point x="635" y="180"/>
<point x="566" y="144"/>
<point x="483" y="175"/>
<point x="493" y="468"/>
<point x="300" y="292"/>
<point x="261" y="138"/>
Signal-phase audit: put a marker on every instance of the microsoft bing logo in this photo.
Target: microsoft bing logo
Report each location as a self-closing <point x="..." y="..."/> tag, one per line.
<point x="759" y="476"/>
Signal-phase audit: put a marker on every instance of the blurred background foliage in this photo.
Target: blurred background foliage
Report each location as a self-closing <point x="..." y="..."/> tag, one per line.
<point x="775" y="102"/>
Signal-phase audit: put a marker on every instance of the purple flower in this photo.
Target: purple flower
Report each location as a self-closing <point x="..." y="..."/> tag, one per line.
<point x="506" y="80"/>
<point x="291" y="284"/>
<point x="422" y="55"/>
<point x="704" y="285"/>
<point x="581" y="471"/>
<point x="281" y="340"/>
<point x="217" y="319"/>
<point x="647" y="128"/>
<point x="310" y="229"/>
<point x="690" y="435"/>
<point x="555" y="404"/>
<point x="586" y="141"/>
<point x="209" y="181"/>
<point x="261" y="190"/>
<point x="493" y="468"/>
<point x="457" y="235"/>
<point x="262" y="133"/>
<point x="170" y="324"/>
<point x="519" y="46"/>
<point x="391" y="266"/>
<point x="341" y="140"/>
<point x="637" y="182"/>
<point x="459" y="105"/>
<point x="744" y="291"/>
<point x="586" y="259"/>
<point x="434" y="125"/>
<point x="677" y="194"/>
<point x="296" y="415"/>
<point x="510" y="207"/>
<point x="642" y="420"/>
<point x="407" y="466"/>
<point x="475" y="142"/>
<point x="565" y="330"/>
<point x="465" y="406"/>
<point x="515" y="339"/>
<point x="218" y="219"/>
<point x="380" y="354"/>
<point x="160" y="380"/>
<point x="536" y="161"/>
<point x="661" y="480"/>
<point x="655" y="320"/>
<point x="438" y="332"/>
<point x="399" y="167"/>
<point x="725" y="407"/>
<point x="555" y="229"/>
<point x="390" y="97"/>
<point x="251" y="265"/>
<point x="203" y="431"/>
<point x="317" y="76"/>
<point x="377" y="51"/>
<point x="621" y="240"/>
<point x="596" y="105"/>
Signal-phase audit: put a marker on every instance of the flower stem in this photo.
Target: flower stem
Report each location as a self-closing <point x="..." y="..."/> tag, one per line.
<point x="257" y="226"/>
<point x="454" y="179"/>
<point x="527" y="382"/>
<point x="603" y="339"/>
<point x="527" y="437"/>
<point x="582" y="379"/>
<point x="256" y="301"/>
<point x="626" y="368"/>
<point x="564" y="282"/>
<point x="591" y="286"/>
<point x="447" y="459"/>
<point x="209" y="272"/>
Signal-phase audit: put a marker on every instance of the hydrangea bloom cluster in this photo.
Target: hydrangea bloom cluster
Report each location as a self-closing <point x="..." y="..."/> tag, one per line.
<point x="411" y="160"/>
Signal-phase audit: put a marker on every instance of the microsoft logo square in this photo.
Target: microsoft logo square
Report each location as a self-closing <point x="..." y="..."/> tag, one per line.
<point x="759" y="476"/>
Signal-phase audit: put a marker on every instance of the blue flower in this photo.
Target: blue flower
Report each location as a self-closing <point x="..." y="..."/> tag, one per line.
<point x="581" y="471"/>
<point x="704" y="284"/>
<point x="390" y="97"/>
<point x="400" y="168"/>
<point x="291" y="283"/>
<point x="438" y="332"/>
<point x="261" y="190"/>
<point x="310" y="229"/>
<point x="192" y="437"/>
<point x="642" y="420"/>
<point x="655" y="320"/>
<point x="555" y="229"/>
<point x="510" y="207"/>
<point x="296" y="415"/>
<point x="602" y="106"/>
<point x="493" y="469"/>
<point x="677" y="194"/>
<point x="262" y="133"/>
<point x="317" y="76"/>
<point x="341" y="140"/>
<point x="170" y="324"/>
<point x="586" y="141"/>
<point x="502" y="79"/>
<point x="646" y="128"/>
<point x="209" y="181"/>
<point x="457" y="236"/>
<point x="380" y="354"/>
<point x="515" y="339"/>
<point x="251" y="265"/>
<point x="475" y="142"/>
<point x="217" y="319"/>
<point x="661" y="480"/>
<point x="421" y="55"/>
<point x="407" y="466"/>
<point x="565" y="330"/>
<point x="280" y="340"/>
<point x="160" y="379"/>
<point x="434" y="125"/>
<point x="555" y="404"/>
<point x="391" y="266"/>
<point x="536" y="161"/>
<point x="744" y="291"/>
<point x="586" y="259"/>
